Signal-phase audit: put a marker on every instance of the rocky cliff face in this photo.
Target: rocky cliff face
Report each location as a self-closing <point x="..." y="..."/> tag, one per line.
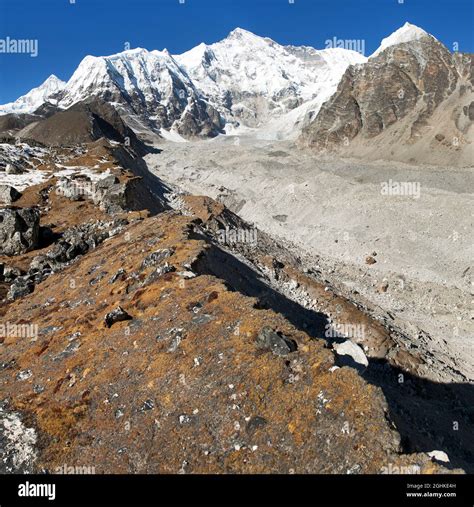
<point x="410" y="99"/>
<point x="149" y="87"/>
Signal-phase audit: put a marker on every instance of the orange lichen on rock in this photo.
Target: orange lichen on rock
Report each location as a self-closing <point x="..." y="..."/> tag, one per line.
<point x="182" y="385"/>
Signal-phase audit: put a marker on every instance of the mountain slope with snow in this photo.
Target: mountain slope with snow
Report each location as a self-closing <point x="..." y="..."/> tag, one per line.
<point x="148" y="86"/>
<point x="251" y="80"/>
<point x="35" y="98"/>
<point x="241" y="84"/>
<point x="243" y="81"/>
<point x="406" y="33"/>
<point x="413" y="101"/>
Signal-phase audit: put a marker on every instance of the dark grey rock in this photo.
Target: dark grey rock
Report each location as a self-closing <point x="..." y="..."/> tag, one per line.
<point x="10" y="273"/>
<point x="157" y="273"/>
<point x="117" y="315"/>
<point x="14" y="169"/>
<point x="255" y="423"/>
<point x="20" y="287"/>
<point x="277" y="342"/>
<point x="147" y="405"/>
<point x="70" y="349"/>
<point x="119" y="274"/>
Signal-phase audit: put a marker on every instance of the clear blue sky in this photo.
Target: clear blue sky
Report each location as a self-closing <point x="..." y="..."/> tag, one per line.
<point x="67" y="32"/>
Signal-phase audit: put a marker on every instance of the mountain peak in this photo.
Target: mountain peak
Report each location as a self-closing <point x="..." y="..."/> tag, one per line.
<point x="50" y="86"/>
<point x="35" y="97"/>
<point x="240" y="33"/>
<point x="53" y="79"/>
<point x="405" y="33"/>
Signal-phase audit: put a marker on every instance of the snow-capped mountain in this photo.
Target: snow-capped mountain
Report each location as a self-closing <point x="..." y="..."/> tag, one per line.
<point x="34" y="98"/>
<point x="240" y="83"/>
<point x="412" y="101"/>
<point x="406" y="33"/>
<point x="145" y="86"/>
<point x="251" y="80"/>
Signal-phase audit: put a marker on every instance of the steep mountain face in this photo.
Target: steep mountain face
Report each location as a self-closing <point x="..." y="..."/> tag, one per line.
<point x="35" y="97"/>
<point x="147" y="87"/>
<point x="410" y="102"/>
<point x="251" y="80"/>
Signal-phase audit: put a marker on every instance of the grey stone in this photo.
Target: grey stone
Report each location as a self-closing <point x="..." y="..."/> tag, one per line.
<point x="14" y="169"/>
<point x="106" y="182"/>
<point x="19" y="230"/>
<point x="20" y="287"/>
<point x="119" y="274"/>
<point x="349" y="348"/>
<point x="277" y="342"/>
<point x="255" y="423"/>
<point x="8" y="194"/>
<point x="10" y="273"/>
<point x="156" y="257"/>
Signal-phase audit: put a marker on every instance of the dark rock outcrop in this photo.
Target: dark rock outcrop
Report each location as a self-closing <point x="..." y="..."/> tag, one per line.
<point x="84" y="122"/>
<point x="116" y="315"/>
<point x="19" y="230"/>
<point x="276" y="342"/>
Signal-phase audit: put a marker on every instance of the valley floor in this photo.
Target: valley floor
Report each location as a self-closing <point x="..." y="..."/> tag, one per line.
<point x="335" y="215"/>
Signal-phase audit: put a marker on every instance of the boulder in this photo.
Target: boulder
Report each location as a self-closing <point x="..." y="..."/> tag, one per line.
<point x="439" y="456"/>
<point x="116" y="315"/>
<point x="9" y="273"/>
<point x="22" y="286"/>
<point x="106" y="182"/>
<point x="70" y="189"/>
<point x="277" y="342"/>
<point x="111" y="198"/>
<point x="8" y="194"/>
<point x="19" y="230"/>
<point x="352" y="350"/>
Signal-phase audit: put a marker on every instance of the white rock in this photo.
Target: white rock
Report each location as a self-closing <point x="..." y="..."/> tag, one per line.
<point x="439" y="456"/>
<point x="349" y="348"/>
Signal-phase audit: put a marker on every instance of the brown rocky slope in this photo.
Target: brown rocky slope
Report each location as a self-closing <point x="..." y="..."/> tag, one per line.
<point x="160" y="350"/>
